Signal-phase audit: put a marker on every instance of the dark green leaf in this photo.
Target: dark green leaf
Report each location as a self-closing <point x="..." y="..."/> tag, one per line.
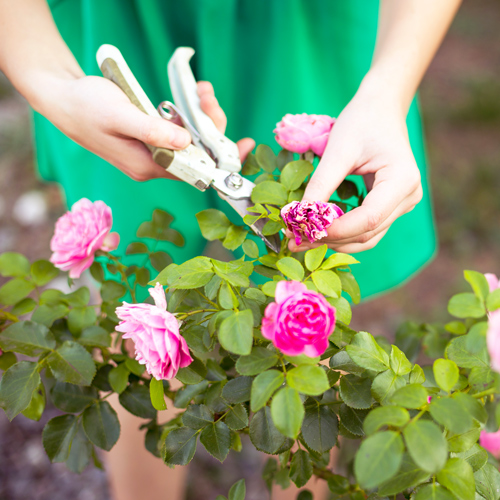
<point x="237" y="418"/>
<point x="135" y="398"/>
<point x="180" y="446"/>
<point x="426" y="445"/>
<point x="458" y="477"/>
<point x="97" y="272"/>
<point x="111" y="290"/>
<point x="237" y="491"/>
<point x="346" y="190"/>
<point x="263" y="388"/>
<point x="72" y="363"/>
<point x="47" y="314"/>
<point x="308" y="379"/>
<point x="36" y="407"/>
<point x="251" y="166"/>
<point x="101" y="425"/>
<point x="408" y="476"/>
<point x="27" y="337"/>
<point x="352" y="419"/>
<point x="118" y="378"/>
<point x="57" y="436"/>
<point x="264" y="434"/>
<point x="80" y="318"/>
<point x="24" y="306"/>
<point x="320" y="428"/>
<point x="194" y="373"/>
<point x="78" y="298"/>
<point x="81" y="450"/>
<point x="378" y="459"/>
<point x="197" y="416"/>
<point x="284" y="157"/>
<point x="236" y="332"/>
<point x="301" y="468"/>
<point x="355" y="391"/>
<point x="136" y="247"/>
<point x="7" y="359"/>
<point x="259" y="360"/>
<point x="95" y="336"/>
<point x="213" y="224"/>
<point x="160" y="260"/>
<point x="237" y="390"/>
<point x="216" y="439"/>
<point x="72" y="398"/>
<point x="266" y="158"/>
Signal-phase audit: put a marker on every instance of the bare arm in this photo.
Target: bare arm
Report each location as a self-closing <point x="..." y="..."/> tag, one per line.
<point x="91" y="110"/>
<point x="370" y="137"/>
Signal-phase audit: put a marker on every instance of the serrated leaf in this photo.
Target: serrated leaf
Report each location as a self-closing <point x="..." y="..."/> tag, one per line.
<point x="487" y="481"/>
<point x="264" y="434"/>
<point x="180" y="446"/>
<point x="365" y="352"/>
<point x="327" y="282"/>
<point x="385" y="384"/>
<point x="291" y="268"/>
<point x="27" y="337"/>
<point x="352" y="419"/>
<point x="409" y="475"/>
<point x="216" y="439"/>
<point x="320" y="428"/>
<point x="356" y="391"/>
<point x="270" y="192"/>
<point x="197" y="416"/>
<point x="287" y="412"/>
<point x="237" y="418"/>
<point x="433" y="492"/>
<point x="213" y="224"/>
<point x="101" y="425"/>
<point x="451" y="414"/>
<point x="399" y="362"/>
<point x="135" y="398"/>
<point x="57" y="436"/>
<point x="339" y="260"/>
<point x="72" y="363"/>
<point x="263" y="387"/>
<point x="259" y="360"/>
<point x="301" y="468"/>
<point x="72" y="398"/>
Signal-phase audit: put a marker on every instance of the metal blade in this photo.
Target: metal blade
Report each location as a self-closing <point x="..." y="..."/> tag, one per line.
<point x="241" y="205"/>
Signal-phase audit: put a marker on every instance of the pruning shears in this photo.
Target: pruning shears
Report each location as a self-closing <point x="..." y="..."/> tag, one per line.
<point x="213" y="160"/>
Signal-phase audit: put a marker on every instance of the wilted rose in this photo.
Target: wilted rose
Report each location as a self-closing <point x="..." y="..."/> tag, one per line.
<point x="78" y="235"/>
<point x="302" y="133"/>
<point x="155" y="333"/>
<point x="300" y="321"/>
<point x="310" y="219"/>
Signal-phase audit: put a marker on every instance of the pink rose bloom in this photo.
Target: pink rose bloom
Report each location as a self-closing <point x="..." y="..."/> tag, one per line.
<point x="490" y="441"/>
<point x="79" y="234"/>
<point x="301" y="133"/>
<point x="310" y="219"/>
<point x="493" y="281"/>
<point x="155" y="333"/>
<point x="493" y="339"/>
<point x="300" y="321"/>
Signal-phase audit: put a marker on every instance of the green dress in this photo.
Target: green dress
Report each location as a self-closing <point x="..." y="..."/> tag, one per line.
<point x="265" y="58"/>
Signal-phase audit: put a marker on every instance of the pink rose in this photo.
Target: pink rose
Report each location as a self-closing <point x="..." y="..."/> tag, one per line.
<point x="493" y="339"/>
<point x="310" y="219"/>
<point x="155" y="333"/>
<point x="301" y="133"/>
<point x="493" y="281"/>
<point x="300" y="321"/>
<point x="79" y="234"/>
<point x="490" y="441"/>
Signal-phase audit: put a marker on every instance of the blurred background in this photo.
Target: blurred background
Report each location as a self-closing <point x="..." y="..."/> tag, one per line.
<point x="460" y="99"/>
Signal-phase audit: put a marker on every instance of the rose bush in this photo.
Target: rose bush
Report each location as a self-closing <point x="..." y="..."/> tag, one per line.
<point x="276" y="361"/>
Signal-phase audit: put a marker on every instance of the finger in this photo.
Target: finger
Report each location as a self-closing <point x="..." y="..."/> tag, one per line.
<point x="245" y="146"/>
<point x="332" y="169"/>
<point x="130" y="121"/>
<point x="210" y="105"/>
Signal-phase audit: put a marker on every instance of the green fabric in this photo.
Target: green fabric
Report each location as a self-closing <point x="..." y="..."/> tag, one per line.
<point x="265" y="58"/>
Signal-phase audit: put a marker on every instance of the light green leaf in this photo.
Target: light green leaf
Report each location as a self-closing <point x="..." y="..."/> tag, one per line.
<point x="466" y="305"/>
<point x="156" y="394"/>
<point x="46" y="315"/>
<point x="43" y="271"/>
<point x="236" y="332"/>
<point x="339" y="260"/>
<point x="365" y="352"/>
<point x="194" y="373"/>
<point x="433" y="491"/>
<point x="493" y="301"/>
<point x="385" y="384"/>
<point x="451" y="414"/>
<point x="488" y="482"/>
<point x="287" y="412"/>
<point x="445" y="373"/>
<point x="458" y="477"/>
<point x="15" y="290"/>
<point x="235" y="237"/>
<point x="385" y="415"/>
<point x="24" y="306"/>
<point x="295" y="173"/>
<point x="417" y="375"/>
<point x="270" y="192"/>
<point x="476" y="457"/>
<point x="408" y="476"/>
<point x="399" y="362"/>
<point x="327" y="282"/>
<point x="213" y="224"/>
<point x="350" y="286"/>
<point x="478" y="283"/>
<point x="378" y="459"/>
<point x="191" y="274"/>
<point x="458" y="352"/>
<point x="308" y="379"/>
<point x="291" y="268"/>
<point x="263" y="388"/>
<point x="266" y="158"/>
<point x="314" y="257"/>
<point x="410" y="396"/>
<point x="13" y="264"/>
<point x="426" y="445"/>
<point x="251" y="249"/>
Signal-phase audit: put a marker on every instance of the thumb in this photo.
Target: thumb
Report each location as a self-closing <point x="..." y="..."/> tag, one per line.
<point x="333" y="168"/>
<point x="152" y="130"/>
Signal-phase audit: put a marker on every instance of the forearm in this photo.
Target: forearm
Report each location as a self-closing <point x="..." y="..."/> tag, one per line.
<point x="410" y="32"/>
<point x="33" y="54"/>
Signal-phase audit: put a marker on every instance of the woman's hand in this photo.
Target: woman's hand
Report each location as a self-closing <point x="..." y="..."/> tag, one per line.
<point x="369" y="138"/>
<point x="97" y="114"/>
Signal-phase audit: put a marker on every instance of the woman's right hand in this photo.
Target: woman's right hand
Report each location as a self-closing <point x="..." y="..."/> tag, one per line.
<point x="98" y="115"/>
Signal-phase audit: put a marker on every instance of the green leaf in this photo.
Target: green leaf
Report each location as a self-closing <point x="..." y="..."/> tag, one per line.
<point x="101" y="425"/>
<point x="250" y="167"/>
<point x="72" y="363"/>
<point x="118" y="378"/>
<point x="270" y="192"/>
<point x="237" y="390"/>
<point x="263" y="388"/>
<point x="136" y="247"/>
<point x="251" y="249"/>
<point x="475" y="409"/>
<point x="287" y="411"/>
<point x="156" y="394"/>
<point x="216" y="439"/>
<point x="235" y="237"/>
<point x="445" y="373"/>
<point x="346" y="190"/>
<point x="15" y="290"/>
<point x="488" y="482"/>
<point x="457" y="351"/>
<point x="78" y="298"/>
<point x="80" y="318"/>
<point x="320" y="428"/>
<point x="301" y="468"/>
<point x="433" y="492"/>
<point x="236" y="332"/>
<point x="238" y="490"/>
<point x="295" y="173"/>
<point x="227" y="298"/>
<point x="80" y="452"/>
<point x="36" y="407"/>
<point x="385" y="384"/>
<point x="459" y="443"/>
<point x="13" y="264"/>
<point x="197" y="416"/>
<point x="378" y="459"/>
<point x="194" y="373"/>
<point x="24" y="306"/>
<point x="7" y="359"/>
<point x="284" y="157"/>
<point x="410" y="396"/>
<point x="264" y="434"/>
<point x="355" y="391"/>
<point x="308" y="379"/>
<point x="314" y="257"/>
<point x="111" y="290"/>
<point x="57" y="436"/>
<point x="339" y="260"/>
<point x="235" y="272"/>
<point x="237" y="418"/>
<point x="46" y="315"/>
<point x="180" y="446"/>
<point x="27" y="337"/>
<point x="365" y="352"/>
<point x="160" y="260"/>
<point x="451" y="414"/>
<point x="95" y="336"/>
<point x="493" y="301"/>
<point x="426" y="445"/>
<point x="478" y="283"/>
<point x="271" y="227"/>
<point x="394" y="416"/>
<point x="399" y="362"/>
<point x="72" y="398"/>
<point x="350" y="286"/>
<point x="191" y="274"/>
<point x="476" y="457"/>
<point x="327" y="282"/>
<point x="135" y="398"/>
<point x="291" y="268"/>
<point x="266" y="158"/>
<point x="43" y="271"/>
<point x="408" y="476"/>
<point x="259" y="360"/>
<point x="213" y="224"/>
<point x="417" y="375"/>
<point x="97" y="272"/>
<point x="458" y="477"/>
<point x="352" y="419"/>
<point x="466" y="305"/>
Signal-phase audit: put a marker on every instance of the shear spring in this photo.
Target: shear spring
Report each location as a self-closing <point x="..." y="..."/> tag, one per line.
<point x="170" y="112"/>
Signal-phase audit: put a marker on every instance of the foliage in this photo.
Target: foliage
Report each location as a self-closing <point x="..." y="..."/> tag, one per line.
<point x="418" y="425"/>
